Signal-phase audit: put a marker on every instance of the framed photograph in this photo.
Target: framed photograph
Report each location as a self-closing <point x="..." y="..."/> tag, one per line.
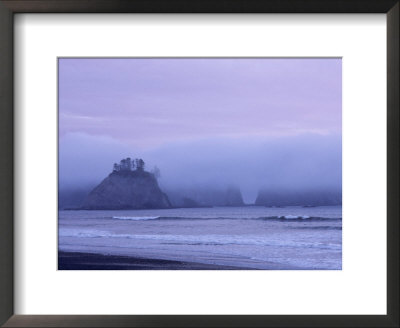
<point x="191" y="164"/>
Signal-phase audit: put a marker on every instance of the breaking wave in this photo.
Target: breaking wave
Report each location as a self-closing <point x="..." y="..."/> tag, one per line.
<point x="136" y="218"/>
<point x="280" y="218"/>
<point x="210" y="239"/>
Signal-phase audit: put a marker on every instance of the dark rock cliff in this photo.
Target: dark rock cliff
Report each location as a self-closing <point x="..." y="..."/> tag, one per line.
<point x="233" y="197"/>
<point x="298" y="198"/>
<point x="199" y="197"/>
<point x="127" y="190"/>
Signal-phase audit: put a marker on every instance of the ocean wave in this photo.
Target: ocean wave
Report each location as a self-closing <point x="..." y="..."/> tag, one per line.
<point x="205" y="240"/>
<point x="280" y="218"/>
<point x="317" y="228"/>
<point x="136" y="218"/>
<point x="294" y="217"/>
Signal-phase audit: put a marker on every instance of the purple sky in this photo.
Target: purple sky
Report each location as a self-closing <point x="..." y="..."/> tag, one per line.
<point x="148" y="102"/>
<point x="248" y="122"/>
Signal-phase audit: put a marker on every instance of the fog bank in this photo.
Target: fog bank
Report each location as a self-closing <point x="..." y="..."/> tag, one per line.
<point x="303" y="162"/>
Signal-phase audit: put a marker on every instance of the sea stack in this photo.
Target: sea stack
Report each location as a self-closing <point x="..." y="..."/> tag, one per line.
<point x="127" y="187"/>
<point x="233" y="197"/>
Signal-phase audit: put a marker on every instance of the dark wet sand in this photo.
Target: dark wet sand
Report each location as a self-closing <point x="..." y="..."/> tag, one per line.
<point x="90" y="261"/>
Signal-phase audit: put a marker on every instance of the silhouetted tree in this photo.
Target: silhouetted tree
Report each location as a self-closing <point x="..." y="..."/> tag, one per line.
<point x="128" y="164"/>
<point x="123" y="164"/>
<point x="139" y="164"/>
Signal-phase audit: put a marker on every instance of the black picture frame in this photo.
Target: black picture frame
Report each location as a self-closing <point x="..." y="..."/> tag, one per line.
<point x="10" y="7"/>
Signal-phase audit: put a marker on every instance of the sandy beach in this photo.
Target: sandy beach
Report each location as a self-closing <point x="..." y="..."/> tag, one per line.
<point x="91" y="261"/>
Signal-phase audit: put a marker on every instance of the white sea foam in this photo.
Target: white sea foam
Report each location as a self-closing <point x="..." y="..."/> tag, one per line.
<point x="294" y="217"/>
<point x="82" y="234"/>
<point x="203" y="239"/>
<point x="135" y="218"/>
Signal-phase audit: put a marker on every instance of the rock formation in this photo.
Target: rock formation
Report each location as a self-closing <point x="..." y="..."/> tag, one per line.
<point x="127" y="189"/>
<point x="205" y="197"/>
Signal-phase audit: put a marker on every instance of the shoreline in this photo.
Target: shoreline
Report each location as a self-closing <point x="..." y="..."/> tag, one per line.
<point x="94" y="261"/>
<point x="195" y="207"/>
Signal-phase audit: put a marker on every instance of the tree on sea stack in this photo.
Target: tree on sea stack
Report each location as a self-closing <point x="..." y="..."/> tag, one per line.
<point x="123" y="165"/>
<point x="139" y="164"/>
<point x="129" y="164"/>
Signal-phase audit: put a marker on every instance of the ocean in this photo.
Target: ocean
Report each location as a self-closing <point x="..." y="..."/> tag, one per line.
<point x="249" y="237"/>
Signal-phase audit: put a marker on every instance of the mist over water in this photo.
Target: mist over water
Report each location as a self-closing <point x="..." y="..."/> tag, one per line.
<point x="293" y="163"/>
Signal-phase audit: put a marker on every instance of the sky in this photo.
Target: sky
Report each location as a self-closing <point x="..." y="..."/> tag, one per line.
<point x="250" y="122"/>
